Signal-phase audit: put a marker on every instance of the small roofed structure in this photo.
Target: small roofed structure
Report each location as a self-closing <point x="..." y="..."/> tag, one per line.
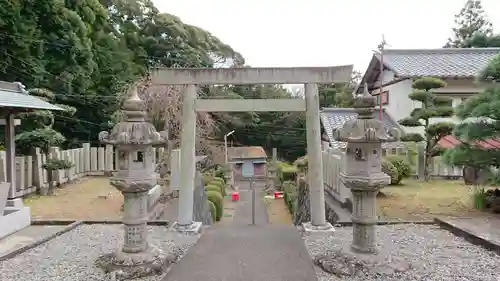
<point x="334" y="118"/>
<point x="248" y="157"/>
<point x="15" y="99"/>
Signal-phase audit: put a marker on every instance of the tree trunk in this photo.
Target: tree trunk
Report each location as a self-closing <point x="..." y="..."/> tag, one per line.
<point x="42" y="190"/>
<point x="50" y="189"/>
<point x="427" y="168"/>
<point x="427" y="158"/>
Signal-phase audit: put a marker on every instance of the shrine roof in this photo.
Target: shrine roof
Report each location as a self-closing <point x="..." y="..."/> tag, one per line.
<point x="246" y="152"/>
<point x="14" y="95"/>
<point x="334" y="118"/>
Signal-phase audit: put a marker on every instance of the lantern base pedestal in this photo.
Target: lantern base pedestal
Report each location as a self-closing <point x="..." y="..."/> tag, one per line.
<point x="124" y="266"/>
<point x="193" y="228"/>
<point x="309" y="228"/>
<point x="344" y="262"/>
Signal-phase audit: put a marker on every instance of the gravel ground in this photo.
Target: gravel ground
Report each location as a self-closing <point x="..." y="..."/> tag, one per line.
<point x="433" y="253"/>
<point x="71" y="256"/>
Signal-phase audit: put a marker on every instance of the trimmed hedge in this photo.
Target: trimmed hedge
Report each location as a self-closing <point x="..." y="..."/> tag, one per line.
<point x="207" y="177"/>
<point x="290" y="196"/>
<point x="222" y="187"/>
<point x="286" y="172"/>
<point x="213" y="211"/>
<point x="216" y="198"/>
<point x="221" y="180"/>
<point x="214" y="188"/>
<point x="220" y="183"/>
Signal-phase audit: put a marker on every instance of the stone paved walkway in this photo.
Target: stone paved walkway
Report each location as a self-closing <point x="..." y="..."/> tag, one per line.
<point x="240" y="251"/>
<point x="483" y="230"/>
<point x="26" y="236"/>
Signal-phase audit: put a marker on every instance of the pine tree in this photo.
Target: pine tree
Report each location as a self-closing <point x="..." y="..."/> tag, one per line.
<point x="433" y="106"/>
<point x="469" y="21"/>
<point x="480" y="117"/>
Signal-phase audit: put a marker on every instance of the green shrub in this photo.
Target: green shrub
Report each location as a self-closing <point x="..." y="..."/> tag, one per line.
<point x="221" y="185"/>
<point x="301" y="163"/>
<point x="290" y="196"/>
<point x="222" y="188"/>
<point x="286" y="172"/>
<point x="221" y="180"/>
<point x="479" y="198"/>
<point x="402" y="165"/>
<point x="214" y="188"/>
<point x="390" y="170"/>
<point x="216" y="198"/>
<point x="207" y="178"/>
<point x="213" y="211"/>
<point x="220" y="174"/>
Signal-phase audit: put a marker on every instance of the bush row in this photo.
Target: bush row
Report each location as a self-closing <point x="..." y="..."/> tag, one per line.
<point x="290" y="195"/>
<point x="286" y="172"/>
<point x="216" y="190"/>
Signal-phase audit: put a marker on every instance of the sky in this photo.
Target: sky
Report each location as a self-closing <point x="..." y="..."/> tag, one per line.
<point x="273" y="33"/>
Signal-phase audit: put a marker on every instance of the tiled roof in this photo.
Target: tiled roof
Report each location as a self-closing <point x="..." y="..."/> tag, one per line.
<point x="13" y="95"/>
<point x="246" y="152"/>
<point x="446" y="62"/>
<point x="334" y="118"/>
<point x="451" y="141"/>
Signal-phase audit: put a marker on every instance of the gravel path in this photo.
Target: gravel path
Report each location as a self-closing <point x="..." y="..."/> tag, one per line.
<point x="71" y="256"/>
<point x="433" y="253"/>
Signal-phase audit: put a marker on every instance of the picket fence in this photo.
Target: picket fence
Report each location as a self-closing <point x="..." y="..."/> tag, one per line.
<point x="333" y="163"/>
<point x="87" y="161"/>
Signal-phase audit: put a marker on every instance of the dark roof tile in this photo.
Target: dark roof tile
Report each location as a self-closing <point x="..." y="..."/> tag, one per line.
<point x="446" y="62"/>
<point x="334" y="118"/>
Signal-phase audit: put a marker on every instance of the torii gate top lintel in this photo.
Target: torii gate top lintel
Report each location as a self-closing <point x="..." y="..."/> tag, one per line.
<point x="250" y="75"/>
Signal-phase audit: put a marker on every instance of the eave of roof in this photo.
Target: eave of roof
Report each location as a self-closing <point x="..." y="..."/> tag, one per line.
<point x="469" y="65"/>
<point x="333" y="118"/>
<point x="13" y="96"/>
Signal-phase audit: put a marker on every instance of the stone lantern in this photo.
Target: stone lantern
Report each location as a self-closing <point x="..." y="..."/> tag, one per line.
<point x="363" y="172"/>
<point x="133" y="140"/>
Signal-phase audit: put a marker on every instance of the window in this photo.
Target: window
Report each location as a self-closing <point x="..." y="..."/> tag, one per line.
<point x="384" y="96"/>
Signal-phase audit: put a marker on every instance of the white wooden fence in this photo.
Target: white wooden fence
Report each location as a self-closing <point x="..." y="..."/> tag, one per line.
<point x="87" y="161"/>
<point x="333" y="162"/>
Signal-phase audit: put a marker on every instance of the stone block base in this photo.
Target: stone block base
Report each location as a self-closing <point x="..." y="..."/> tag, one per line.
<point x="124" y="266"/>
<point x="344" y="262"/>
<point x="15" y="203"/>
<point x="193" y="228"/>
<point x="308" y="228"/>
<point x="13" y="220"/>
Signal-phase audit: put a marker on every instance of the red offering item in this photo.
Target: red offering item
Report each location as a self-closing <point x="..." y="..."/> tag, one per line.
<point x="278" y="194"/>
<point x="235" y="196"/>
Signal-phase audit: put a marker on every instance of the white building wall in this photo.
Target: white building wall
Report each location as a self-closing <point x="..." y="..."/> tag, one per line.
<point x="400" y="106"/>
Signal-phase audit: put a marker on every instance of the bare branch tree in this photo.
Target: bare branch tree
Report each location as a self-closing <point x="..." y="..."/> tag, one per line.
<point x="163" y="107"/>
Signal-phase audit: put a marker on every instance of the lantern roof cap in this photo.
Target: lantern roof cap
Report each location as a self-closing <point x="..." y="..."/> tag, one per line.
<point x="134" y="130"/>
<point x="365" y="128"/>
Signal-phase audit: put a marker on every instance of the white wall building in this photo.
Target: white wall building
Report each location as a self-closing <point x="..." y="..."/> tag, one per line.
<point x="458" y="67"/>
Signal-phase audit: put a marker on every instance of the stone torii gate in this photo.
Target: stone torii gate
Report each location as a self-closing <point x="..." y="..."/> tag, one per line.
<point x="191" y="78"/>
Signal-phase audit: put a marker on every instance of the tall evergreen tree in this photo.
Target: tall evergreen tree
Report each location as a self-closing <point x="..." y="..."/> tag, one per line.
<point x="480" y="117"/>
<point x="469" y="21"/>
